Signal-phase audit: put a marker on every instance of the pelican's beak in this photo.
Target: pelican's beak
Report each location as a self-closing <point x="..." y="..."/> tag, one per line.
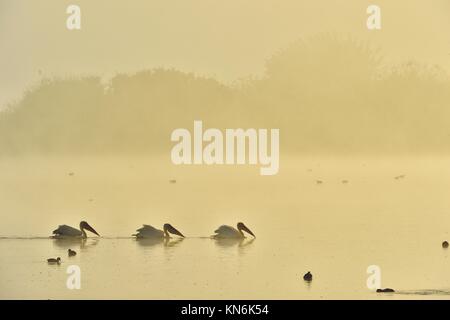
<point x="172" y="230"/>
<point x="248" y="231"/>
<point x="89" y="228"/>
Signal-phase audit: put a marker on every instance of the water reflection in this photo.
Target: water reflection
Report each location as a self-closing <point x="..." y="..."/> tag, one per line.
<point x="150" y="242"/>
<point x="425" y="292"/>
<point x="307" y="284"/>
<point x="240" y="243"/>
<point x="75" y="242"/>
<point x="172" y="243"/>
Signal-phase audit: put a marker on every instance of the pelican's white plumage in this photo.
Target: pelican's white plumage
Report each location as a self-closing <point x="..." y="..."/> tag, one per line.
<point x="228" y="232"/>
<point x="65" y="231"/>
<point x="225" y="231"/>
<point x="148" y="231"/>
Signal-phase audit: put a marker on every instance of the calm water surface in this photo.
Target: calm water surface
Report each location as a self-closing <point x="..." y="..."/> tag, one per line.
<point x="335" y="230"/>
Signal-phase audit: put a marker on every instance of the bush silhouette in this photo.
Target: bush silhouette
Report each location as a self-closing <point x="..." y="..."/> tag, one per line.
<point x="327" y="94"/>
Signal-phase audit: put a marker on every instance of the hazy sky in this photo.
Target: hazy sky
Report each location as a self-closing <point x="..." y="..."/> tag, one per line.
<point x="226" y="39"/>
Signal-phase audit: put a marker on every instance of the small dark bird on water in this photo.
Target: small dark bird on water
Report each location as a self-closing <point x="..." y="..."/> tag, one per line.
<point x="445" y="244"/>
<point x="71" y="253"/>
<point x="173" y="181"/>
<point x="319" y="181"/>
<point x="54" y="261"/>
<point x="386" y="290"/>
<point x="307" y="276"/>
<point x="399" y="177"/>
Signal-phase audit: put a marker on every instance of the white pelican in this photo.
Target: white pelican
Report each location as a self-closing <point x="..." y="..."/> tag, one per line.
<point x="228" y="232"/>
<point x="150" y="232"/>
<point x="65" y="231"/>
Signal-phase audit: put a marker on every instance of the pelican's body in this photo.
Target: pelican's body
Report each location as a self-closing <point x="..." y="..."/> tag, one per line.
<point x="150" y="232"/>
<point x="228" y="232"/>
<point x="65" y="231"/>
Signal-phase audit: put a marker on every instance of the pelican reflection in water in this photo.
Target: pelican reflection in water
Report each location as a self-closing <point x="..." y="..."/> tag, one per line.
<point x="149" y="232"/>
<point x="70" y="243"/>
<point x="166" y="242"/>
<point x="233" y="242"/>
<point x="65" y="231"/>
